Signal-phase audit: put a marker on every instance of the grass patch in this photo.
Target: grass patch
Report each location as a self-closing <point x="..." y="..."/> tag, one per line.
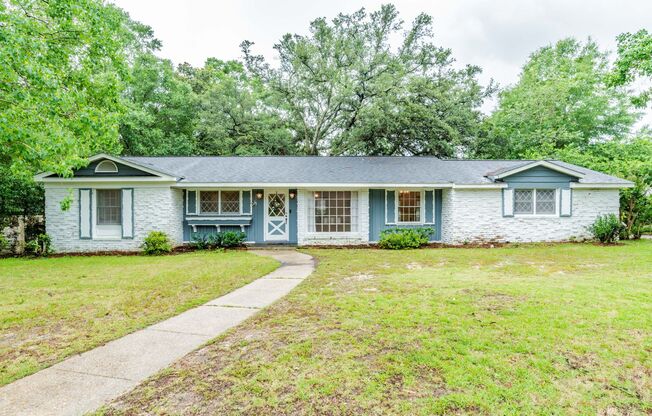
<point x="559" y="329"/>
<point x="53" y="308"/>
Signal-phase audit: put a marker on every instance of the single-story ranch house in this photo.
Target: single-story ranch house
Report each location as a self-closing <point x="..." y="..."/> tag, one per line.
<point x="117" y="201"/>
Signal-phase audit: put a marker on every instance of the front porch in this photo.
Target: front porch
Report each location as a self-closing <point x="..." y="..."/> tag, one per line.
<point x="314" y="216"/>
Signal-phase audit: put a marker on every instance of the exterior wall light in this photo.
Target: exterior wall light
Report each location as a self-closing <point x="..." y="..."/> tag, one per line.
<point x="259" y="195"/>
<point x="292" y="195"/>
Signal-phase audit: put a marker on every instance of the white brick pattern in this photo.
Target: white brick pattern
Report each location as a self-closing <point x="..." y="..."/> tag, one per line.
<point x="155" y="208"/>
<point x="475" y="215"/>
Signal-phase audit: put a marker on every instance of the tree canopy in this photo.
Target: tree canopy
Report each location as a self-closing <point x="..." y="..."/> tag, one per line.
<point x="346" y="90"/>
<point x="63" y="65"/>
<point x="561" y="99"/>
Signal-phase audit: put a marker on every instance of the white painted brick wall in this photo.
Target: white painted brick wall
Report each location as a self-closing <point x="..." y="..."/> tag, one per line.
<point x="307" y="238"/>
<point x="447" y="214"/>
<point x="155" y="209"/>
<point x="475" y="215"/>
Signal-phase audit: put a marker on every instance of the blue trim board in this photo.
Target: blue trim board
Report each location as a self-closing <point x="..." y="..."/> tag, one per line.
<point x="191" y="198"/>
<point x="539" y="177"/>
<point x="292" y="218"/>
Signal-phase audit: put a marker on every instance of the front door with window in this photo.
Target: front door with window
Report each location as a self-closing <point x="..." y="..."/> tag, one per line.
<point x="276" y="216"/>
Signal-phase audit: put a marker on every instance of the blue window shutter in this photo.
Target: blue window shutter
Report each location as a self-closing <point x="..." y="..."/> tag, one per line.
<point x="390" y="207"/>
<point x="85" y="214"/>
<point x="430" y="207"/>
<point x="508" y="202"/>
<point x="246" y="202"/>
<point x="127" y="213"/>
<point x="566" y="203"/>
<point x="191" y="208"/>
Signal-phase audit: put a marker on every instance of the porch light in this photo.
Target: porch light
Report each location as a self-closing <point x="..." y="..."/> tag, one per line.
<point x="316" y="194"/>
<point x="292" y="195"/>
<point x="259" y="195"/>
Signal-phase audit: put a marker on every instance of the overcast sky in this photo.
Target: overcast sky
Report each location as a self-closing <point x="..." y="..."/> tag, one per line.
<point x="497" y="35"/>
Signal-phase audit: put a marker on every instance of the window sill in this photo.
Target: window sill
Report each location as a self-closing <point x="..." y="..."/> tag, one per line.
<point x="536" y="216"/>
<point x="338" y="234"/>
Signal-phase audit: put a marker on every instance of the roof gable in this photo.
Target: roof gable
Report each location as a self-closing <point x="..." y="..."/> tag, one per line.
<point x="92" y="171"/>
<point x="124" y="169"/>
<point x="513" y="170"/>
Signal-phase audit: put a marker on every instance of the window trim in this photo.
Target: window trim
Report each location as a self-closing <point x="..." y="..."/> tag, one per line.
<point x="105" y="232"/>
<point x="422" y="207"/>
<point x="310" y="196"/>
<point x="219" y="212"/>
<point x="534" y="213"/>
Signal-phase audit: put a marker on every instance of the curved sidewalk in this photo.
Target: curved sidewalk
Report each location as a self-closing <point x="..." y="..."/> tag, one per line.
<point x="84" y="382"/>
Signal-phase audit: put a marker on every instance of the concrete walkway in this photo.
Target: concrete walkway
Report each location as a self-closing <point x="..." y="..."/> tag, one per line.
<point x="84" y="382"/>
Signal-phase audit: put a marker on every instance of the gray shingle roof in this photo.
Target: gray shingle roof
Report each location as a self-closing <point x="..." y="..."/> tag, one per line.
<point x="342" y="170"/>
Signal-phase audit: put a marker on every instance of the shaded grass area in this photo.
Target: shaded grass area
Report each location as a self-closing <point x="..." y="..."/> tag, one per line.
<point x="560" y="329"/>
<point x="53" y="308"/>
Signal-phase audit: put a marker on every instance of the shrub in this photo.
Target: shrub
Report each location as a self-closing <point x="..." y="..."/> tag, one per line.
<point x="223" y="239"/>
<point x="156" y="243"/>
<point x="4" y="243"/>
<point x="607" y="228"/>
<point x="232" y="239"/>
<point x="41" y="245"/>
<point x="402" y="238"/>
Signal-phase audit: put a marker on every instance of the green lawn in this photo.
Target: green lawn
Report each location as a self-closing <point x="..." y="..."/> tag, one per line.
<point x="52" y="308"/>
<point x="557" y="329"/>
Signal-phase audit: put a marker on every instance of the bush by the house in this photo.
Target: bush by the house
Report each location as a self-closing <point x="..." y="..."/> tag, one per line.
<point x="156" y="243"/>
<point x="4" y="243"/>
<point x="41" y="245"/>
<point x="646" y="229"/>
<point x="402" y="238"/>
<point x="607" y="228"/>
<point x="232" y="239"/>
<point x="223" y="239"/>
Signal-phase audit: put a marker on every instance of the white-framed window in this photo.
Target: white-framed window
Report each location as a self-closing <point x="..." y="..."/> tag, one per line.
<point x="333" y="211"/>
<point x="535" y="202"/>
<point x="220" y="202"/>
<point x="109" y="207"/>
<point x="409" y="206"/>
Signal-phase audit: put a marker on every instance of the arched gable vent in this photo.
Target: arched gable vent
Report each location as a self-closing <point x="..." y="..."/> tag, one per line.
<point x="106" y="166"/>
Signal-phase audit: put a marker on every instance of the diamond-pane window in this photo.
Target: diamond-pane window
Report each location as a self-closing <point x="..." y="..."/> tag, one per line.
<point x="545" y="201"/>
<point x="230" y="202"/>
<point x="276" y="205"/>
<point x="523" y="201"/>
<point x="208" y="201"/>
